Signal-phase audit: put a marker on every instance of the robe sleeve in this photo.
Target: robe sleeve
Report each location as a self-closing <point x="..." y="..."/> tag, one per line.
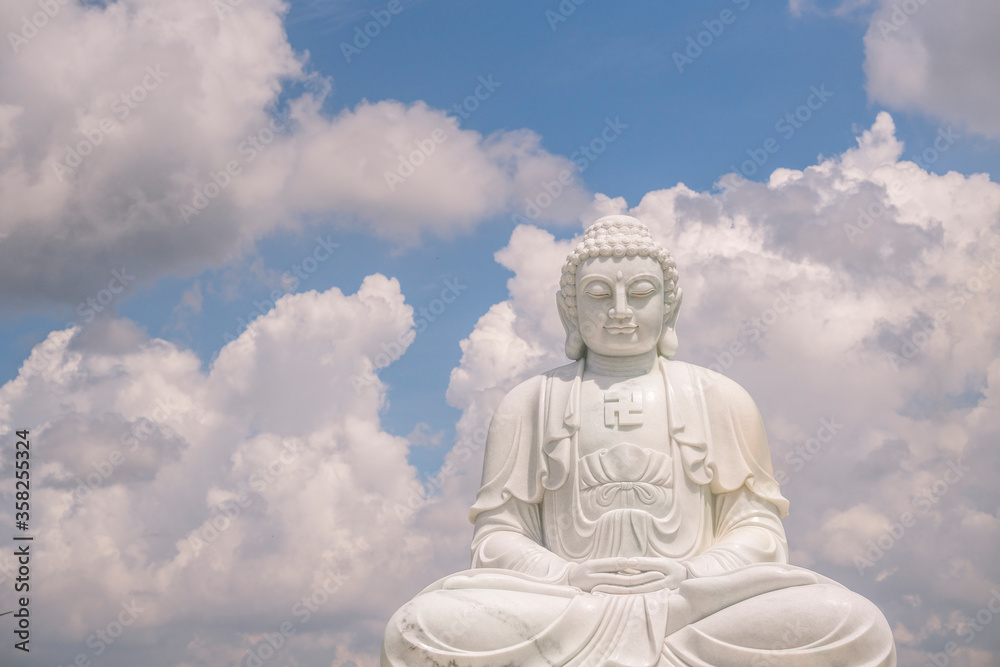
<point x="513" y="466"/>
<point x="527" y="449"/>
<point x="508" y="532"/>
<point x="747" y="531"/>
<point x="724" y="440"/>
<point x="720" y="433"/>
<point x="509" y="537"/>
<point x="739" y="451"/>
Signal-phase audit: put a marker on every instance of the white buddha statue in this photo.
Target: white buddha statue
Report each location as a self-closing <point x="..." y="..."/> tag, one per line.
<point x="628" y="513"/>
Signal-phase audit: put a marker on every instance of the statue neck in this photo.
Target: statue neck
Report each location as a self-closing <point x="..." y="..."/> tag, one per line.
<point x="631" y="366"/>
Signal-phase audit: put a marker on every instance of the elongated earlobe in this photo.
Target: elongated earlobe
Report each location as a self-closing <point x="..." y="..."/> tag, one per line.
<point x="667" y="346"/>
<point x="668" y="343"/>
<point x="575" y="349"/>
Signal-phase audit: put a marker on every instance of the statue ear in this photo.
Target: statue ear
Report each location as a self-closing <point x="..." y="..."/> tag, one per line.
<point x="574" y="341"/>
<point x="667" y="346"/>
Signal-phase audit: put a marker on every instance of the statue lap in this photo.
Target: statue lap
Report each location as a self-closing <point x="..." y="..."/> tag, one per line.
<point x="485" y="618"/>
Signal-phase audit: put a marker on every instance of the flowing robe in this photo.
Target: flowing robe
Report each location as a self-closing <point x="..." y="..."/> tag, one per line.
<point x="707" y="498"/>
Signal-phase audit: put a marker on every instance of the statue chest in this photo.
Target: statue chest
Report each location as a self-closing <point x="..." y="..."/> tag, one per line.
<point x="630" y="412"/>
<point x="628" y="493"/>
<point x="627" y="490"/>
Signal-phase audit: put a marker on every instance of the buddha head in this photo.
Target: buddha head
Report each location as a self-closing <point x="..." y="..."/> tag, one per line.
<point x="619" y="294"/>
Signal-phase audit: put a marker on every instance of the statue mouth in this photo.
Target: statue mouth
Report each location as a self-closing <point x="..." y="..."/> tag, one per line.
<point x="622" y="329"/>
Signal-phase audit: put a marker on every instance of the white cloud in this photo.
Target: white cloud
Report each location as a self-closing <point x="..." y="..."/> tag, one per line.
<point x="217" y="501"/>
<point x="114" y="116"/>
<point x="423" y="436"/>
<point x="938" y="58"/>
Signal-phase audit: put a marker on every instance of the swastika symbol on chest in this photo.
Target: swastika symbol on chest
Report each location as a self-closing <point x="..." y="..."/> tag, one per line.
<point x="622" y="409"/>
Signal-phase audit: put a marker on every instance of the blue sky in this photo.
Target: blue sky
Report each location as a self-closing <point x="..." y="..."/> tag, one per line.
<point x="556" y="86"/>
<point x="562" y="79"/>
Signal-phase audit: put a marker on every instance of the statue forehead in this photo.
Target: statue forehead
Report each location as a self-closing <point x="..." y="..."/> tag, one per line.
<point x="610" y="267"/>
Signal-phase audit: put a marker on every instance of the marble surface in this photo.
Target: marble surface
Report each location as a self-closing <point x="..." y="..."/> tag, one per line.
<point x="628" y="513"/>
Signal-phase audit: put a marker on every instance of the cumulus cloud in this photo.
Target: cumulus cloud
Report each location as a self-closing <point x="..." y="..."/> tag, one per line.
<point x="164" y="137"/>
<point x="937" y="58"/>
<point x="220" y="504"/>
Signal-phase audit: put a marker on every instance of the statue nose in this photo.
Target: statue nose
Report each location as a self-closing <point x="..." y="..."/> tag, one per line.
<point x="620" y="310"/>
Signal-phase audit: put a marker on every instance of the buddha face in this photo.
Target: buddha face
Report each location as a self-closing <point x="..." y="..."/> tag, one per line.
<point x="620" y="304"/>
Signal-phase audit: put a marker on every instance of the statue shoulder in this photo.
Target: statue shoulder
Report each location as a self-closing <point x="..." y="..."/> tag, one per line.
<point x="720" y="392"/>
<point x="524" y="397"/>
<point x="727" y="423"/>
<point x="513" y="465"/>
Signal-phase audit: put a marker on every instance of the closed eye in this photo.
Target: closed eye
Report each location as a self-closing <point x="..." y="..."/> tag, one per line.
<point x="598" y="291"/>
<point x="642" y="289"/>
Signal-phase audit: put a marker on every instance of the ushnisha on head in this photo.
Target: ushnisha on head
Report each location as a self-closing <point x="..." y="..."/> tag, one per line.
<point x="619" y="293"/>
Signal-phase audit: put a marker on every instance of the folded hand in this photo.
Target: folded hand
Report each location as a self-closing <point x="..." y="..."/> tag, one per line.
<point x="626" y="575"/>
